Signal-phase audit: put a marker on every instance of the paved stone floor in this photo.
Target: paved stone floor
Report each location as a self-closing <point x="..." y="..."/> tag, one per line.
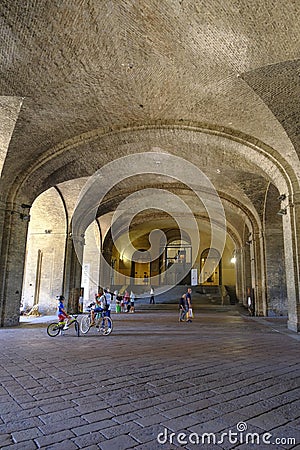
<point x="154" y="383"/>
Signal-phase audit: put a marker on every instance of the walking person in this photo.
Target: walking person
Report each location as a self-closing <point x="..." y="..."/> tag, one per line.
<point x="152" y="301"/>
<point x="189" y="304"/>
<point x="183" y="308"/>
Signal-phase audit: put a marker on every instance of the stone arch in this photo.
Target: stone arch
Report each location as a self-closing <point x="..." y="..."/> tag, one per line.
<point x="45" y="252"/>
<point x="64" y="160"/>
<point x="262" y="158"/>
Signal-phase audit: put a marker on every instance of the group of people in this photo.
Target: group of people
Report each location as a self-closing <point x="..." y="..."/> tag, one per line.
<point x="124" y="303"/>
<point x="185" y="307"/>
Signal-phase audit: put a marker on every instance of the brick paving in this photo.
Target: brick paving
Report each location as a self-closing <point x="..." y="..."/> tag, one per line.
<point x="152" y="377"/>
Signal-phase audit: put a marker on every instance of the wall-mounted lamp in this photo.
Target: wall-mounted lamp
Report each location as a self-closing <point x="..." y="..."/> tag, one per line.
<point x="233" y="258"/>
<point x="281" y="197"/>
<point x="24" y="215"/>
<point x="282" y="212"/>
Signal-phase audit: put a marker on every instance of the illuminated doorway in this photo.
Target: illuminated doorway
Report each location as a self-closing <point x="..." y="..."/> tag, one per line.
<point x="212" y="261"/>
<point x="140" y="268"/>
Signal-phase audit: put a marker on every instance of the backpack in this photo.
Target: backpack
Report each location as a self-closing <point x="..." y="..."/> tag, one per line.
<point x="182" y="303"/>
<point x="105" y="303"/>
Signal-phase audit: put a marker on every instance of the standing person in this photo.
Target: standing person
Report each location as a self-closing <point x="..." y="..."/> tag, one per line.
<point x="107" y="301"/>
<point x="250" y="303"/>
<point x="115" y="296"/>
<point x="152" y="301"/>
<point x="108" y="295"/>
<point x="183" y="308"/>
<point x="119" y="300"/>
<point x="189" y="304"/>
<point x="80" y="303"/>
<point x="145" y="278"/>
<point x="126" y="299"/>
<point x="62" y="315"/>
<point x="132" y="298"/>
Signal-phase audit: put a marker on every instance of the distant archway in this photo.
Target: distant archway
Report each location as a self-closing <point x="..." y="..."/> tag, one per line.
<point x="213" y="274"/>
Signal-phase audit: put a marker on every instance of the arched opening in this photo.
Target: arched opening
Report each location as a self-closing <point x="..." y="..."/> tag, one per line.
<point x="140" y="268"/>
<point x="45" y="253"/>
<point x="210" y="261"/>
<point x="176" y="262"/>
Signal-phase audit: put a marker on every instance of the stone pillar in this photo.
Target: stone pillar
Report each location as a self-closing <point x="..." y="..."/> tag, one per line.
<point x="247" y="272"/>
<point x="274" y="255"/>
<point x="12" y="257"/>
<point x="240" y="286"/>
<point x="73" y="271"/>
<point x="276" y="278"/>
<point x="291" y="233"/>
<point x="106" y="269"/>
<point x="259" y="274"/>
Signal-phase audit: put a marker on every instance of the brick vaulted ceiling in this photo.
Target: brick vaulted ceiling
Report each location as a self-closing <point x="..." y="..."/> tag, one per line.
<point x="83" y="82"/>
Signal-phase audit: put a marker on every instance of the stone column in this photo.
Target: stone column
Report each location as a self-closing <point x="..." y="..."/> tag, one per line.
<point x="106" y="269"/>
<point x="248" y="268"/>
<point x="240" y="287"/>
<point x="12" y="257"/>
<point x="291" y="233"/>
<point x="260" y="274"/>
<point x="73" y="271"/>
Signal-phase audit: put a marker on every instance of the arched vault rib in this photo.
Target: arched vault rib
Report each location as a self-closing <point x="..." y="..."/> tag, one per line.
<point x="256" y="152"/>
<point x="250" y="217"/>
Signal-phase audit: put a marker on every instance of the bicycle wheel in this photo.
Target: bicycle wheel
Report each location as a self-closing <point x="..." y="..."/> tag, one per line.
<point x="106" y="326"/>
<point x="53" y="329"/>
<point x="85" y="324"/>
<point x="76" y="325"/>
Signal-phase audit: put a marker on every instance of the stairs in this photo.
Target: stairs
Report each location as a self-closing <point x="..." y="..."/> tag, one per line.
<point x="202" y="295"/>
<point x="211" y="295"/>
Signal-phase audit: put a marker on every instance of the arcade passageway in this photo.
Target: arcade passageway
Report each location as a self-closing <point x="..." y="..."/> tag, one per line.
<point x="149" y="144"/>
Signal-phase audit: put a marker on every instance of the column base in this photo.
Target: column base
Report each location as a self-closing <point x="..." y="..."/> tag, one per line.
<point x="11" y="322"/>
<point x="293" y="326"/>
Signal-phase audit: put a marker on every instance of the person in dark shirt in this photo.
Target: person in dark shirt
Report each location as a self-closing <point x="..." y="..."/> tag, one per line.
<point x="183" y="308"/>
<point x="189" y="304"/>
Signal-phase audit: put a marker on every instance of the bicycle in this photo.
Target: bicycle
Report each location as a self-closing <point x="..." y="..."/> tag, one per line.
<point x="55" y="328"/>
<point x="103" y="323"/>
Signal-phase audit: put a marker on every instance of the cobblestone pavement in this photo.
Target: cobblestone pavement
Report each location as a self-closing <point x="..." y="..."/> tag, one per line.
<point x="149" y="381"/>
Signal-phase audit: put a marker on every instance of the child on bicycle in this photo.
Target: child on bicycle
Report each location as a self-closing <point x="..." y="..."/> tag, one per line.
<point x="63" y="316"/>
<point x="101" y="305"/>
